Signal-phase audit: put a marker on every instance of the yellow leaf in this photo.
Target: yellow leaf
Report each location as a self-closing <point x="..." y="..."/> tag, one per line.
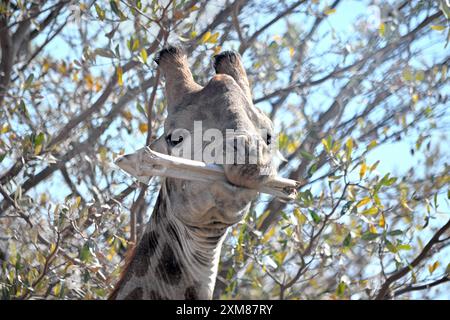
<point x="135" y="45"/>
<point x="89" y="81"/>
<point x="433" y="267"/>
<point x="330" y="11"/>
<point x="336" y="147"/>
<point x="382" y="222"/>
<point x="143" y="127"/>
<point x="43" y="199"/>
<point x="438" y="28"/>
<point x="363" y="170"/>
<point x="103" y="153"/>
<point x="38" y="149"/>
<point x="291" y="52"/>
<point x="249" y="268"/>
<point x="205" y="37"/>
<point x="372" y="145"/>
<point x="374" y="166"/>
<point x="52" y="247"/>
<point x="119" y="76"/>
<point x="407" y="74"/>
<point x="371" y="211"/>
<point x="213" y="38"/>
<point x="217" y="50"/>
<point x="372" y="229"/>
<point x="301" y="218"/>
<point x="363" y="201"/>
<point x="144" y="55"/>
<point x="75" y="76"/>
<point x="349" y="145"/>
<point x="444" y="73"/>
<point x="45" y="66"/>
<point x="415" y="98"/>
<point x="325" y="144"/>
<point x="292" y="146"/>
<point x="420" y="76"/>
<point x="194" y="8"/>
<point x="279" y="257"/>
<point x="127" y="115"/>
<point x="62" y="68"/>
<point x="406" y="206"/>
<point x="277" y="38"/>
<point x="382" y="29"/>
<point x="5" y="128"/>
<point x="269" y="234"/>
<point x="77" y="201"/>
<point x="98" y="86"/>
<point x="57" y="289"/>
<point x="261" y="219"/>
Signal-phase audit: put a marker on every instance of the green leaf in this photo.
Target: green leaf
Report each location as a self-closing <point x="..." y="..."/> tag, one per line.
<point x="141" y="109"/>
<point x="340" y="290"/>
<point x="312" y="169"/>
<point x="116" y="10"/>
<point x="368" y="236"/>
<point x="28" y="82"/>
<point x="85" y="252"/>
<point x="346" y="207"/>
<point x="316" y="218"/>
<point x="391" y="247"/>
<point x="39" y="139"/>
<point x="347" y="241"/>
<point x="100" y="12"/>
<point x="405" y="247"/>
<point x="395" y="233"/>
<point x="306" y="155"/>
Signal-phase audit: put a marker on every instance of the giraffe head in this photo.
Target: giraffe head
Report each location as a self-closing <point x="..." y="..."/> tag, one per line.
<point x="178" y="254"/>
<point x="217" y="123"/>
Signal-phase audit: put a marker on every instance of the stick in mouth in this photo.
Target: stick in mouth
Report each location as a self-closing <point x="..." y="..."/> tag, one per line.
<point x="145" y="163"/>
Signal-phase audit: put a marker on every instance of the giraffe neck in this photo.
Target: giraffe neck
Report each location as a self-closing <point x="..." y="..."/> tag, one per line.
<point x="172" y="260"/>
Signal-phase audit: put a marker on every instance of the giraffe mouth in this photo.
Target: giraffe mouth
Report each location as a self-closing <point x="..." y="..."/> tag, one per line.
<point x="247" y="176"/>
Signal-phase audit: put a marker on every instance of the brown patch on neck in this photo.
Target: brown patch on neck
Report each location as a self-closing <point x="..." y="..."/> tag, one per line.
<point x="130" y="256"/>
<point x="136" y="294"/>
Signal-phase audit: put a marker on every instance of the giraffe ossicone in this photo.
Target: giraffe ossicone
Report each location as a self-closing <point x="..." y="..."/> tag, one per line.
<point x="178" y="254"/>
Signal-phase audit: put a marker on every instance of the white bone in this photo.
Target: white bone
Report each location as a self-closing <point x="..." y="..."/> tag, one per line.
<point x="145" y="163"/>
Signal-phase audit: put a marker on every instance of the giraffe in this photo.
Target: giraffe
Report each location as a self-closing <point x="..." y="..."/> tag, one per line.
<point x="178" y="254"/>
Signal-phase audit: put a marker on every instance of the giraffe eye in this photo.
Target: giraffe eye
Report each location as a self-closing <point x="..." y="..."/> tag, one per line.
<point x="173" y="141"/>
<point x="269" y="139"/>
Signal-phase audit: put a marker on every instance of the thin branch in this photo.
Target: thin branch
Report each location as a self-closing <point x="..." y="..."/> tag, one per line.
<point x="384" y="291"/>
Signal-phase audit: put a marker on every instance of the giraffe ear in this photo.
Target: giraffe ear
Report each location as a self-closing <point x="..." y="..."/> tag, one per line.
<point x="229" y="62"/>
<point x="173" y="63"/>
<point x="160" y="145"/>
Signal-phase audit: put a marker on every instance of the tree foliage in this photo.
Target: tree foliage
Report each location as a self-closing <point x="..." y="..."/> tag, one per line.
<point x="352" y="87"/>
